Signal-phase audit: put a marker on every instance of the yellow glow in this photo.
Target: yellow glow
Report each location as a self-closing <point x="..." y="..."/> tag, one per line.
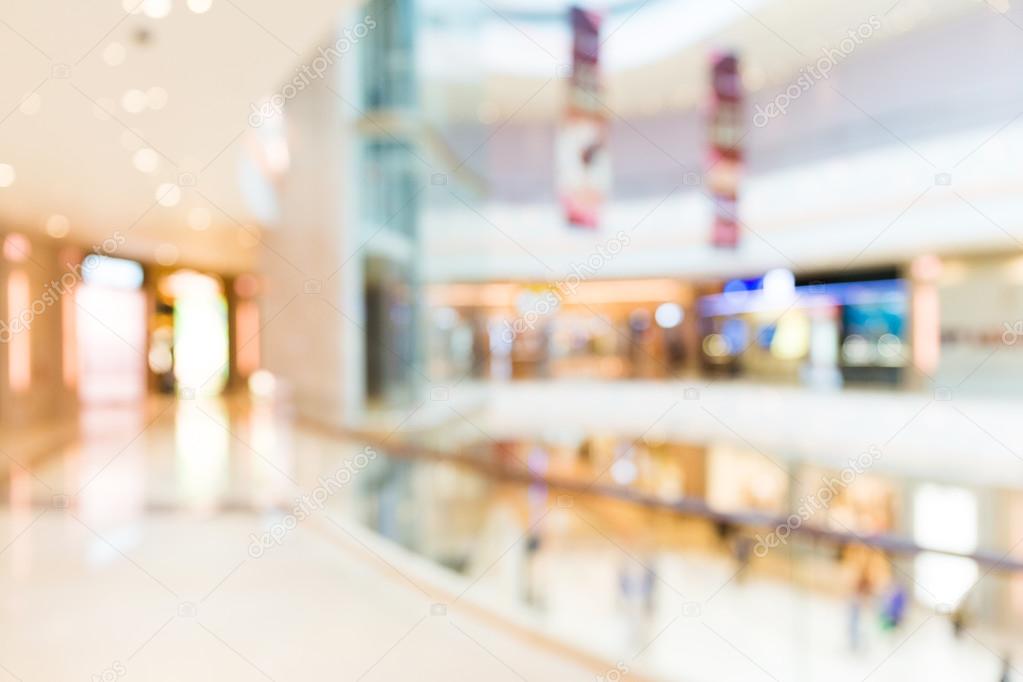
<point x="504" y="294"/>
<point x="792" y="339"/>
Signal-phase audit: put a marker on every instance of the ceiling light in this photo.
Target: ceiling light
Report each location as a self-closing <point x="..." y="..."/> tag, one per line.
<point x="168" y="194"/>
<point x="668" y="315"/>
<point x="134" y="101"/>
<point x="200" y="6"/>
<point x="58" y="226"/>
<point x="7" y="175"/>
<point x="156" y="9"/>
<point x="146" y="160"/>
<point x="17" y="248"/>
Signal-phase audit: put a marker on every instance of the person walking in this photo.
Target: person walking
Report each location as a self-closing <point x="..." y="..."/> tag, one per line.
<point x="859" y="600"/>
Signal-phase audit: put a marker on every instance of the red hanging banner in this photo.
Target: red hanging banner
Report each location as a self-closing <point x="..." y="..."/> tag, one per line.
<point x="725" y="132"/>
<point x="583" y="164"/>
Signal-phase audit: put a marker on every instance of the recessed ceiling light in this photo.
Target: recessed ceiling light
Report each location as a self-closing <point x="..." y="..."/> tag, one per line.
<point x="132" y="6"/>
<point x="134" y="101"/>
<point x="168" y="194"/>
<point x="156" y="9"/>
<point x="200" y="6"/>
<point x="17" y="248"/>
<point x="58" y="226"/>
<point x="146" y="160"/>
<point x="114" y="54"/>
<point x="7" y="175"/>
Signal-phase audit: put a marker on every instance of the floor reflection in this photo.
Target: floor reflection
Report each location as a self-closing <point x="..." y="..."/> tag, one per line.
<point x="661" y="592"/>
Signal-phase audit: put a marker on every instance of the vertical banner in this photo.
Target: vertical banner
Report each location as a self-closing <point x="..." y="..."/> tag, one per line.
<point x="725" y="132"/>
<point x="584" y="169"/>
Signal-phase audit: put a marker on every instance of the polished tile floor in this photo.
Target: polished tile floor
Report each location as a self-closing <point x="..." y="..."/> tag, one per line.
<point x="128" y="555"/>
<point x="216" y="540"/>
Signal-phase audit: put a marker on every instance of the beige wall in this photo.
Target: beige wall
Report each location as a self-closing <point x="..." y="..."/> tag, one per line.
<point x="47" y="396"/>
<point x="312" y="269"/>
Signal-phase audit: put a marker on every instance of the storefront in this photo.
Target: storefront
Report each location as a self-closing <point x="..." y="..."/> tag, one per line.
<point x="606" y="329"/>
<point x="819" y="332"/>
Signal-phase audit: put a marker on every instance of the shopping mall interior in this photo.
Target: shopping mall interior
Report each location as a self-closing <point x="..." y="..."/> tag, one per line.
<point x="511" y="340"/>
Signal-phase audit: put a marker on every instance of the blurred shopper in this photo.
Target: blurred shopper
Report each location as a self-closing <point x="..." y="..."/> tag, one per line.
<point x="531" y="593"/>
<point x="742" y="549"/>
<point x="959" y="618"/>
<point x="636" y="584"/>
<point x="860" y="600"/>
<point x="893" y="608"/>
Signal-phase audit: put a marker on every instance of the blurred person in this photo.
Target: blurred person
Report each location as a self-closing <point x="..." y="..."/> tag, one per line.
<point x="959" y="618"/>
<point x="675" y="350"/>
<point x="530" y="593"/>
<point x="639" y="323"/>
<point x="636" y="595"/>
<point x="649" y="584"/>
<point x="893" y="608"/>
<point x="742" y="550"/>
<point x="480" y="367"/>
<point x="860" y="599"/>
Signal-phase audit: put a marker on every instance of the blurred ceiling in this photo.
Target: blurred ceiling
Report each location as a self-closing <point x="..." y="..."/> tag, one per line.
<point x="87" y="85"/>
<point x="654" y="55"/>
<point x="106" y="110"/>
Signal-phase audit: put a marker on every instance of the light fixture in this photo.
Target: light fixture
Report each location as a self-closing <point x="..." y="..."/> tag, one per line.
<point x="779" y="286"/>
<point x="7" y="175"/>
<point x="168" y="194"/>
<point x="58" y="226"/>
<point x="668" y="315"/>
<point x="17" y="248"/>
<point x="146" y="160"/>
<point x="134" y="101"/>
<point x="156" y="9"/>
